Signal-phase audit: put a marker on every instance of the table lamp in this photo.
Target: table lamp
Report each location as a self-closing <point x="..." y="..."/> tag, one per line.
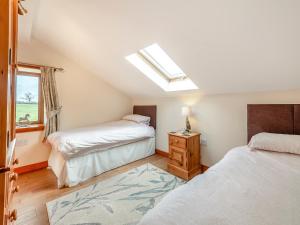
<point x="186" y="111"/>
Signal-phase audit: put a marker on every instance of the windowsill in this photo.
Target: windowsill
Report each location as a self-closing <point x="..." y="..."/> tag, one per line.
<point x="30" y="128"/>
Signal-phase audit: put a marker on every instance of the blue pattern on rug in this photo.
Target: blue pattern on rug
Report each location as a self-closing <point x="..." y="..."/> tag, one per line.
<point x="120" y="200"/>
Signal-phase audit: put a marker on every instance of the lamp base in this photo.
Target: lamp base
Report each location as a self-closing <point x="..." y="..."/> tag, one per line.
<point x="186" y="132"/>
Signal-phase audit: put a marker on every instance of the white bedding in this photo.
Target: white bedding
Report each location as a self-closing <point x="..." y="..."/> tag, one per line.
<point x="86" y="140"/>
<point x="76" y="170"/>
<point x="247" y="187"/>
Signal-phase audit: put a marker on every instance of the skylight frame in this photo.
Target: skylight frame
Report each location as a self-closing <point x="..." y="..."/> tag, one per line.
<point x="146" y="54"/>
<point x="155" y="71"/>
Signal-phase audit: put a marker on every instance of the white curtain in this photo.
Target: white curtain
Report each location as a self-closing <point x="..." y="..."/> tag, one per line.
<point x="51" y="100"/>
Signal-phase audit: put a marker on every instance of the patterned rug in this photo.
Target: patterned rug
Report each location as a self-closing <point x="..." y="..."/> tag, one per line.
<point x="120" y="200"/>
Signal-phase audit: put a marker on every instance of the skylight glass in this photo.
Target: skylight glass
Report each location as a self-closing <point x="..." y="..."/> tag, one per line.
<point x="157" y="56"/>
<point x="154" y="63"/>
<point x="148" y="70"/>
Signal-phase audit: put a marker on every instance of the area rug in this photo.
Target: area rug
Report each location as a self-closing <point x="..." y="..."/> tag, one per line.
<point x="120" y="200"/>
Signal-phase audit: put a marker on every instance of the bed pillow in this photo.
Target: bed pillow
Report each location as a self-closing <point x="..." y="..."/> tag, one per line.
<point x="137" y="118"/>
<point x="276" y="142"/>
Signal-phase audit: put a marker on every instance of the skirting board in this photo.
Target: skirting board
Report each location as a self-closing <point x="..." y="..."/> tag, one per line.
<point x="162" y="153"/>
<point x="166" y="154"/>
<point x="31" y="167"/>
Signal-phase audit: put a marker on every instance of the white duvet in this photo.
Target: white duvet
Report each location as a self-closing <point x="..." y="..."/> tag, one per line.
<point x="96" y="138"/>
<point x="245" y="188"/>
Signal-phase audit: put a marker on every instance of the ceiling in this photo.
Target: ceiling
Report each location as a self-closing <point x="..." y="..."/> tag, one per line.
<point x="26" y="22"/>
<point x="223" y="46"/>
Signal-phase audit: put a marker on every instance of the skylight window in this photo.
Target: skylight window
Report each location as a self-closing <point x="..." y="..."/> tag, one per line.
<point x="154" y="62"/>
<point x="161" y="60"/>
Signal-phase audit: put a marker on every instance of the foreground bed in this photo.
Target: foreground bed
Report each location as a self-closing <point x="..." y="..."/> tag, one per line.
<point x="80" y="154"/>
<point x="248" y="186"/>
<point x="245" y="188"/>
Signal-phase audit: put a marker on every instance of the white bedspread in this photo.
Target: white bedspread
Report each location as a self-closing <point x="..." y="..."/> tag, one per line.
<point x="85" y="140"/>
<point x="245" y="188"/>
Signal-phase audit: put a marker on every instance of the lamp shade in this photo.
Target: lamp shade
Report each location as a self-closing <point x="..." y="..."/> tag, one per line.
<point x="185" y="111"/>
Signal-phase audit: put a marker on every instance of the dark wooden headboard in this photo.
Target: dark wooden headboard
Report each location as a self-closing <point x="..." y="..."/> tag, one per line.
<point x="146" y="110"/>
<point x="273" y="118"/>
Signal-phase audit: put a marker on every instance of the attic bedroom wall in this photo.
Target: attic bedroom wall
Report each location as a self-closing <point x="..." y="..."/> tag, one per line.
<point x="222" y="119"/>
<point x="86" y="100"/>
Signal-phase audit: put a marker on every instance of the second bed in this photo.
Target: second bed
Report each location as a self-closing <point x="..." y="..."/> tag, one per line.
<point x="80" y="154"/>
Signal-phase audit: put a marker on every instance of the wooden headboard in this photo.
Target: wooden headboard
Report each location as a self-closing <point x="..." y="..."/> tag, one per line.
<point x="273" y="118"/>
<point x="146" y="110"/>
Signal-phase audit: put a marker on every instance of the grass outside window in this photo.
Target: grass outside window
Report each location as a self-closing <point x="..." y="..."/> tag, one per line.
<point x="29" y="100"/>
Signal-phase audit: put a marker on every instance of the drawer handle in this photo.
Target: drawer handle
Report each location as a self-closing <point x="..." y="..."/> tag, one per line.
<point x="15" y="189"/>
<point x="13" y="216"/>
<point x="176" y="141"/>
<point x="16" y="162"/>
<point x="13" y="177"/>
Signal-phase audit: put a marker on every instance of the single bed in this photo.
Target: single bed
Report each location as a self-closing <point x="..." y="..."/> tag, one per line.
<point x="247" y="187"/>
<point x="80" y="154"/>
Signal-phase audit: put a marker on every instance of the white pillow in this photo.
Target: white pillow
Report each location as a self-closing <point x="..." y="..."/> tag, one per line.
<point x="276" y="142"/>
<point x="137" y="118"/>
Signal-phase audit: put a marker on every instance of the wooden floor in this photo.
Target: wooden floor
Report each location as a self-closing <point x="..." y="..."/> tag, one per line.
<point x="39" y="187"/>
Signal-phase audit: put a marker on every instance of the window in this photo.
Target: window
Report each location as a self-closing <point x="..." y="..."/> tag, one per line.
<point x="29" y="101"/>
<point x="161" y="60"/>
<point x="154" y="62"/>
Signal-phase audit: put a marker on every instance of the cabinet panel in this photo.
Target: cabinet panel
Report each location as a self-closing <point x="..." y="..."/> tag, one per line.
<point x="178" y="157"/>
<point x="194" y="156"/>
<point x="177" y="142"/>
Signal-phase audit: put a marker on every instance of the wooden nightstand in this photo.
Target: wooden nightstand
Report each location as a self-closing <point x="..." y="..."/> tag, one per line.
<point x="184" y="155"/>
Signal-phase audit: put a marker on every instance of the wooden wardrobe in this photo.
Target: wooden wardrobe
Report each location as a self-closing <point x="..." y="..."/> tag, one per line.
<point x="8" y="60"/>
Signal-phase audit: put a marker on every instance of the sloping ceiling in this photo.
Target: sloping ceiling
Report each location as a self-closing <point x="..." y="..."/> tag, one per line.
<point x="223" y="46"/>
<point x="26" y="22"/>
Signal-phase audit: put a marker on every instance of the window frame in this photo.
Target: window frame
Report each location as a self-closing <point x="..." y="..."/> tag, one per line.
<point x="155" y="63"/>
<point x="151" y="67"/>
<point x="39" y="124"/>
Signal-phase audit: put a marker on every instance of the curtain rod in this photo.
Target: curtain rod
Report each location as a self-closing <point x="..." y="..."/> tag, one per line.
<point x="39" y="66"/>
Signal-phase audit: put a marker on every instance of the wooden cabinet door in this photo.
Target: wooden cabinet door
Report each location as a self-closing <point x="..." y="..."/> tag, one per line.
<point x="178" y="157"/>
<point x="8" y="57"/>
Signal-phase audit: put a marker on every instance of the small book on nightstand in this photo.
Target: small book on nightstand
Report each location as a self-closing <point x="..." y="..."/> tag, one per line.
<point x="184" y="154"/>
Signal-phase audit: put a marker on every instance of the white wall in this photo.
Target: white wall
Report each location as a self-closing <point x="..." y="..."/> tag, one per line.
<point x="220" y="118"/>
<point x="86" y="99"/>
<point x="30" y="149"/>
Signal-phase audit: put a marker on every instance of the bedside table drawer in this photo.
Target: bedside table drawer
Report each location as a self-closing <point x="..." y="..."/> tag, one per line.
<point x="177" y="142"/>
<point x="177" y="157"/>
